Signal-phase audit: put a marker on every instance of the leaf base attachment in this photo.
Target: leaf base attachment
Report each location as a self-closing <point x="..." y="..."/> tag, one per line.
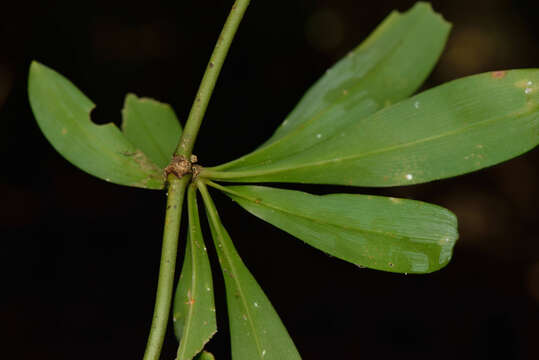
<point x="180" y="166"/>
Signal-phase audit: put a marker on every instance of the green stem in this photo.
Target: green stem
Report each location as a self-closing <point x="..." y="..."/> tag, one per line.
<point x="187" y="141"/>
<point x="176" y="194"/>
<point x="177" y="187"/>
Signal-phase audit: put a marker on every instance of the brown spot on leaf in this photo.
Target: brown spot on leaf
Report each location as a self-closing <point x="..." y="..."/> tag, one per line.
<point x="141" y="159"/>
<point x="498" y="74"/>
<point x="190" y="301"/>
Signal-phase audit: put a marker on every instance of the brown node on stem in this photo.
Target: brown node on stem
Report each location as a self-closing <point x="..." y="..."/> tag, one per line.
<point x="180" y="166"/>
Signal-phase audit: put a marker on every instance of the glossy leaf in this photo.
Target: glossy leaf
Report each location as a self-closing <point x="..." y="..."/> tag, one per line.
<point x="387" y="67"/>
<point x="194" y="308"/>
<point x="382" y="233"/>
<point x="63" y="114"/>
<point x="459" y="127"/>
<point x="152" y="127"/>
<point x="255" y="328"/>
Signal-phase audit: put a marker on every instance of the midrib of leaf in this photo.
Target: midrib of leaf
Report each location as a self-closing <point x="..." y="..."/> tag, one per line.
<point x="300" y="215"/>
<point x="193" y="212"/>
<point x="218" y="227"/>
<point x="302" y="126"/>
<point x="247" y="173"/>
<point x="193" y="293"/>
<point x="240" y="289"/>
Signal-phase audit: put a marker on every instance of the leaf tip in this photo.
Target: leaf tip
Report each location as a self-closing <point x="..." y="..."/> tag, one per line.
<point x="36" y="65"/>
<point x="129" y="98"/>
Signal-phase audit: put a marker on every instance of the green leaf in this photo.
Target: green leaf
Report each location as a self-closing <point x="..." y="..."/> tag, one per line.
<point x="459" y="127"/>
<point x="63" y="114"/>
<point x="194" y="308"/>
<point x="205" y="356"/>
<point x="152" y="127"/>
<point x="387" y="67"/>
<point x="382" y="233"/>
<point x="255" y="328"/>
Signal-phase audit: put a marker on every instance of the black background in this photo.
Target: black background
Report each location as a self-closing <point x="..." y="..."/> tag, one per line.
<point x="80" y="256"/>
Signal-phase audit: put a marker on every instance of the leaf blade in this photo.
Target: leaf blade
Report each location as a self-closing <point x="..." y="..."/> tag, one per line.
<point x="205" y="356"/>
<point x="387" y="67"/>
<point x="388" y="234"/>
<point x="63" y="115"/>
<point x="255" y="328"/>
<point x="152" y="127"/>
<point x="194" y="307"/>
<point x="458" y="127"/>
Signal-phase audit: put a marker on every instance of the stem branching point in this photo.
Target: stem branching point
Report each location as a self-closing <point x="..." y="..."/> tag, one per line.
<point x="180" y="166"/>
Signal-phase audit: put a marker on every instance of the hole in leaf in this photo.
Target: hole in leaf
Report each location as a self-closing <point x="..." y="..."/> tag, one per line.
<point x="101" y="115"/>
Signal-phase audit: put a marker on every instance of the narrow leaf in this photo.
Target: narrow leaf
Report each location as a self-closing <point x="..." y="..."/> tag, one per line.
<point x="459" y="127"/>
<point x="194" y="308"/>
<point x="382" y="233"/>
<point x="152" y="127"/>
<point x="387" y="67"/>
<point x="63" y="114"/>
<point x="255" y="328"/>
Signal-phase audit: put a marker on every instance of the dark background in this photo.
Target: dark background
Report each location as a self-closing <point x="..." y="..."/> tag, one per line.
<point x="80" y="256"/>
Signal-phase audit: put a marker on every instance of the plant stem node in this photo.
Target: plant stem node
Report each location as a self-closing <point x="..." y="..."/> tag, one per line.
<point x="180" y="166"/>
